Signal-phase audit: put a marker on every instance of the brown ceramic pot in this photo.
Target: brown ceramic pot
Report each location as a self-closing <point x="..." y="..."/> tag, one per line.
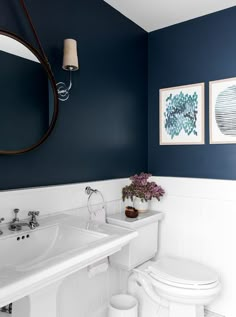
<point x="131" y="212"/>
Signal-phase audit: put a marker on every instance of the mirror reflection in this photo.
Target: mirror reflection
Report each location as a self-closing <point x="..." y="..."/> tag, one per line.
<point x="27" y="99"/>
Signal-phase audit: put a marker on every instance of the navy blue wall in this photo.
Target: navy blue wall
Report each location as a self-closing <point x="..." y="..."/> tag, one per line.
<point x="199" y="50"/>
<point x="101" y="132"/>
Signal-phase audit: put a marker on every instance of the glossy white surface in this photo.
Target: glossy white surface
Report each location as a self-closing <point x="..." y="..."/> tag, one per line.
<point x="158" y="293"/>
<point x="123" y="305"/>
<point x="145" y="218"/>
<point x="190" y="206"/>
<point x="43" y="245"/>
<point x="184" y="285"/>
<point x="155" y="14"/>
<point x="61" y="246"/>
<point x="155" y="296"/>
<point x="182" y="271"/>
<point x="71" y="199"/>
<point x="199" y="224"/>
<point x="142" y="248"/>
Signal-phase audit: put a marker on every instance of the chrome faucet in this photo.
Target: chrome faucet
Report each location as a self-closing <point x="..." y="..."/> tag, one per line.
<point x="1" y="220"/>
<point x="16" y="225"/>
<point x="16" y="219"/>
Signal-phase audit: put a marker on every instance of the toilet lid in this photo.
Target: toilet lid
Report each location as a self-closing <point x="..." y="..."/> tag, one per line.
<point x="181" y="271"/>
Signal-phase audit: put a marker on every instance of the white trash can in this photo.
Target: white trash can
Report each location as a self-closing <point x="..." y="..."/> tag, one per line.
<point x="123" y="305"/>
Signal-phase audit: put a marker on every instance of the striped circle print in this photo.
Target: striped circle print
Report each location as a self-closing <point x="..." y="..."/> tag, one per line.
<point x="225" y="111"/>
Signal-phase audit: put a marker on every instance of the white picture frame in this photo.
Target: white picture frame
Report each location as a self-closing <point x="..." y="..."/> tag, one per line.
<point x="222" y="111"/>
<point x="181" y="115"/>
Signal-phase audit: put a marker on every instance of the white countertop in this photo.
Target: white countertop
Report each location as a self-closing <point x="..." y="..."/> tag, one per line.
<point x="144" y="218"/>
<point x="16" y="283"/>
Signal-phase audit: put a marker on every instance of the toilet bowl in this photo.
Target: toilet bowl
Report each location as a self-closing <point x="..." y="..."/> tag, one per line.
<point x="181" y="287"/>
<point x="169" y="286"/>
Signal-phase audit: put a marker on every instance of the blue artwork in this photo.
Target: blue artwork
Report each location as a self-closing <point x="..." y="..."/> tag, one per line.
<point x="181" y="114"/>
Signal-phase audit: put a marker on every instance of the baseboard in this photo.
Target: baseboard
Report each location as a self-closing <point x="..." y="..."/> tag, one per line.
<point x="209" y="313"/>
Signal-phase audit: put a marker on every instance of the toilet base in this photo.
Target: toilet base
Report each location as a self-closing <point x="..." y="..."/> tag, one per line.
<point x="148" y="307"/>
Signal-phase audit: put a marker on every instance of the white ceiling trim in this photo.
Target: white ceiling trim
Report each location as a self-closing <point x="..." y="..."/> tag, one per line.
<point x="153" y="15"/>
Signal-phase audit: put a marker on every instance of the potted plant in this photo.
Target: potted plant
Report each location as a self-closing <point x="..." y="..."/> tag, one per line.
<point x="140" y="191"/>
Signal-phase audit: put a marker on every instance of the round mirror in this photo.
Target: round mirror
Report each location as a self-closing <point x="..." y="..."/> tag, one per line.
<point x="28" y="98"/>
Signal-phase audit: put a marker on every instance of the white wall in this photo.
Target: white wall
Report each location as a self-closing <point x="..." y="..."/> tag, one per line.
<point x="53" y="199"/>
<point x="200" y="224"/>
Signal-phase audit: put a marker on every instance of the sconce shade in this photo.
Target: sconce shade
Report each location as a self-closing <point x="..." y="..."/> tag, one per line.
<point x="70" y="58"/>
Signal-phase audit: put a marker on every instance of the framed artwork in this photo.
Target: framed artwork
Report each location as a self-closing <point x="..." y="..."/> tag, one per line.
<point x="182" y="115"/>
<point x="222" y="114"/>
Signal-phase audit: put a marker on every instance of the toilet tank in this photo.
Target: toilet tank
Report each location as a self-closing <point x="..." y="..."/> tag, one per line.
<point x="142" y="248"/>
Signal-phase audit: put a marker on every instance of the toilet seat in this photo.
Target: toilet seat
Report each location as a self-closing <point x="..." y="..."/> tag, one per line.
<point x="181" y="273"/>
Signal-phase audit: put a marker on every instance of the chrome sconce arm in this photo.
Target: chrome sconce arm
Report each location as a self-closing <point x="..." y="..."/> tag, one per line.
<point x="63" y="90"/>
<point x="71" y="64"/>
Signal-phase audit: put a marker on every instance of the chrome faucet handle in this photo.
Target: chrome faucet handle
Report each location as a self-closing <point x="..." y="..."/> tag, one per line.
<point x="33" y="213"/>
<point x="16" y="211"/>
<point x="33" y="222"/>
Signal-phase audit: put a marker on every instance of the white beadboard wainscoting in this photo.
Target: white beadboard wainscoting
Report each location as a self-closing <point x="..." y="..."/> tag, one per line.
<point x="200" y="224"/>
<point x="59" y="198"/>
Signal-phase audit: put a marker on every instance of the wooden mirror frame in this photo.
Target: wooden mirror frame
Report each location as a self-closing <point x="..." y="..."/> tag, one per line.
<point x="47" y="68"/>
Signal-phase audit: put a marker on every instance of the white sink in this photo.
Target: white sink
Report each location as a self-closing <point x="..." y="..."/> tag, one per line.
<point x="34" y="262"/>
<point x="31" y="249"/>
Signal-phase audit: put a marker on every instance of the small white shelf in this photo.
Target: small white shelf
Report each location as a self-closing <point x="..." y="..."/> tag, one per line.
<point x="144" y="218"/>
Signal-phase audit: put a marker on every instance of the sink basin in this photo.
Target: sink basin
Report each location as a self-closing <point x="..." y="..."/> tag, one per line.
<point x="34" y="262"/>
<point x="31" y="249"/>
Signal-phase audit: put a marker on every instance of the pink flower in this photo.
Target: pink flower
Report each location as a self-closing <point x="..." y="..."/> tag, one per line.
<point x="140" y="187"/>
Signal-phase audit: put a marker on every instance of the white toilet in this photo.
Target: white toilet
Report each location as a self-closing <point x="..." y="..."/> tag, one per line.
<point x="169" y="286"/>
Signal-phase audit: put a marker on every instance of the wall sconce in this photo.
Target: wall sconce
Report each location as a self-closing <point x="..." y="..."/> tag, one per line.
<point x="71" y="64"/>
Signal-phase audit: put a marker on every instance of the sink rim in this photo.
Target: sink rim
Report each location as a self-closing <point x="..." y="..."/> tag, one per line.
<point x="21" y="284"/>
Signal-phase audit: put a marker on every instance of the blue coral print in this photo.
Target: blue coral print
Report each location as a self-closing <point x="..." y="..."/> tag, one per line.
<point x="181" y="114"/>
